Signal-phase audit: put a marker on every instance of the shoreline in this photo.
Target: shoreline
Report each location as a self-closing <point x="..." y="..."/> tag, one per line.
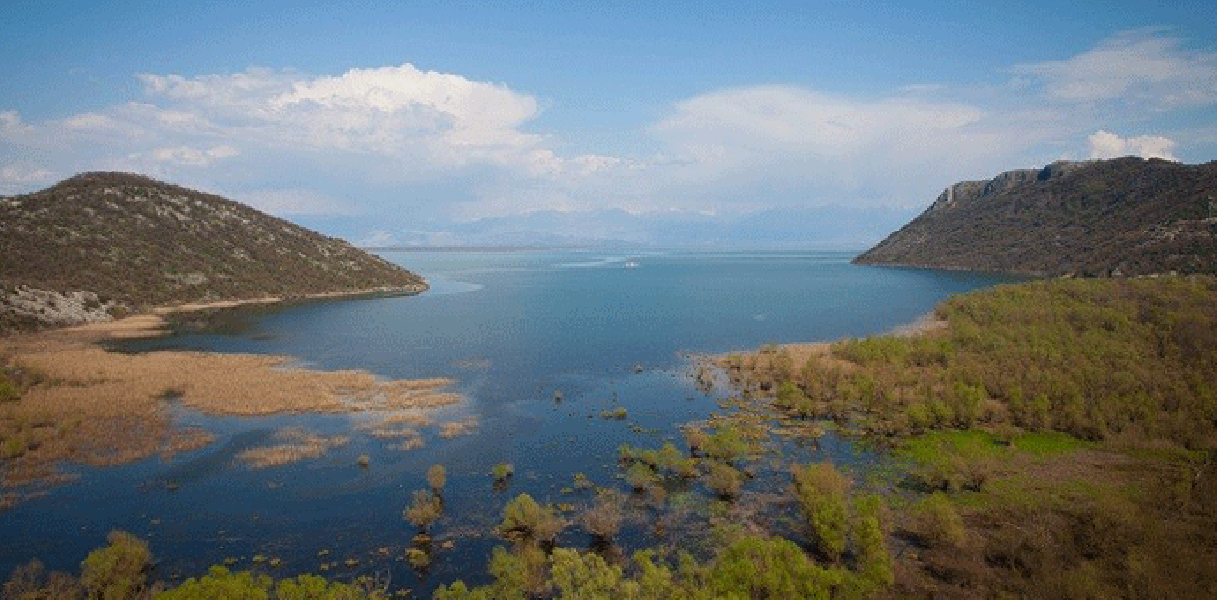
<point x="923" y="325"/>
<point x="152" y="322"/>
<point x="81" y="403"/>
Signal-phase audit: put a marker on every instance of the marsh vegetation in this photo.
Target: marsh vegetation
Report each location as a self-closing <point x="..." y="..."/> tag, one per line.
<point x="63" y="399"/>
<point x="1059" y="435"/>
<point x="1048" y="439"/>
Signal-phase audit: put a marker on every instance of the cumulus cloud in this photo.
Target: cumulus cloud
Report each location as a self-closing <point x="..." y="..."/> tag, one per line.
<point x="93" y="122"/>
<point x="11" y="124"/>
<point x="16" y="176"/>
<point x="1141" y="66"/>
<point x="1104" y="144"/>
<point x="796" y="145"/>
<point x="400" y="141"/>
<point x="446" y="119"/>
<point x="187" y="156"/>
<point x="774" y="121"/>
<point x="377" y="238"/>
<point x="284" y="202"/>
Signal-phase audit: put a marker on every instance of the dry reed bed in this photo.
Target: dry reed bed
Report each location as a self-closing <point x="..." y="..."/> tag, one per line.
<point x="293" y="445"/>
<point x="226" y="384"/>
<point x="103" y="408"/>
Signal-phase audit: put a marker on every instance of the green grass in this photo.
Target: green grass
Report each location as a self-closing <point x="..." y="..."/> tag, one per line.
<point x="931" y="447"/>
<point x="1049" y="443"/>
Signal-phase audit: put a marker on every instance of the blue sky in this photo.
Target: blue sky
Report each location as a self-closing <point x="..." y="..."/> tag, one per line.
<point x="406" y="123"/>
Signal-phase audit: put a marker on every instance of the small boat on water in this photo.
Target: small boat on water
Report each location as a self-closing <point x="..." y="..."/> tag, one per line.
<point x="630" y="264"/>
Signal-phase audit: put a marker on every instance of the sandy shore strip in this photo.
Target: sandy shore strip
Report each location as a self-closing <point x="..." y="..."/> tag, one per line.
<point x="766" y="359"/>
<point x="155" y="323"/>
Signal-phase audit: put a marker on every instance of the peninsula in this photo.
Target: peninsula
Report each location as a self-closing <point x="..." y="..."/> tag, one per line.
<point x="109" y="255"/>
<point x="103" y="245"/>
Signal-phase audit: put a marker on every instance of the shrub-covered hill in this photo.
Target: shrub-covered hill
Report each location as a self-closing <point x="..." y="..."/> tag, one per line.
<point x="105" y="243"/>
<point x="1124" y="216"/>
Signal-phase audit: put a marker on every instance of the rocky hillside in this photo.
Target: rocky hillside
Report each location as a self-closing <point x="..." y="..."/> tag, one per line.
<point x="101" y="244"/>
<point x="1125" y="216"/>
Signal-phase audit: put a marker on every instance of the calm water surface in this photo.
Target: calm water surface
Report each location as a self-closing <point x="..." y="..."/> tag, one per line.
<point x="512" y="328"/>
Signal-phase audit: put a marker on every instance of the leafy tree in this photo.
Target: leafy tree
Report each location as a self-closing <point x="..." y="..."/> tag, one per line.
<point x="424" y="510"/>
<point x="437" y="476"/>
<point x="525" y="520"/>
<point x="758" y="568"/>
<point x="821" y="492"/>
<point x="119" y="570"/>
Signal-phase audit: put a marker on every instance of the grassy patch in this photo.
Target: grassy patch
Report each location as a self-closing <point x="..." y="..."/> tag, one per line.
<point x="1049" y="443"/>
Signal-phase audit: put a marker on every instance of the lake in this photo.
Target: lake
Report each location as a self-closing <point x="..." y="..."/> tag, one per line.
<point x="540" y="343"/>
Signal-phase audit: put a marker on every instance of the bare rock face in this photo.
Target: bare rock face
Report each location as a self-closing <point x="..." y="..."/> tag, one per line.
<point x="1126" y="216"/>
<point x="56" y="309"/>
<point x="128" y="242"/>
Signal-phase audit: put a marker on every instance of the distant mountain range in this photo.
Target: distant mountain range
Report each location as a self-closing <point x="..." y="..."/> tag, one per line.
<point x="100" y="244"/>
<point x="1125" y="216"/>
<point x="799" y="227"/>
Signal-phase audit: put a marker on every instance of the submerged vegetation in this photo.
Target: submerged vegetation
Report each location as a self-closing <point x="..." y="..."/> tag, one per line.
<point x="1050" y="439"/>
<point x="292" y="445"/>
<point x="1059" y="436"/>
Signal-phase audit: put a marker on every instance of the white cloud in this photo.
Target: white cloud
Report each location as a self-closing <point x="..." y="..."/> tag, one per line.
<point x="375" y="238"/>
<point x="92" y="122"/>
<point x="187" y="156"/>
<point x="294" y="202"/>
<point x="399" y="141"/>
<point x="778" y="120"/>
<point x="443" y="119"/>
<point x="1141" y="66"/>
<point x="15" y="177"/>
<point x="1104" y="144"/>
<point x="223" y="151"/>
<point x="798" y="145"/>
<point x="11" y="124"/>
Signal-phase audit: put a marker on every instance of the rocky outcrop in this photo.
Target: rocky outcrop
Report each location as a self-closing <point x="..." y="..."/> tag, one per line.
<point x="1126" y="216"/>
<point x="101" y="244"/>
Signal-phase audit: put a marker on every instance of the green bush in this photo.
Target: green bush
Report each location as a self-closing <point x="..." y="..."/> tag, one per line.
<point x="587" y="575"/>
<point x="724" y="480"/>
<point x="437" y="477"/>
<point x="525" y="520"/>
<point x="219" y="582"/>
<point x="727" y="443"/>
<point x="821" y="492"/>
<point x="32" y="582"/>
<point x="424" y="510"/>
<point x="9" y="392"/>
<point x="875" y="564"/>
<point x="940" y="523"/>
<point x="760" y="568"/>
<point x="640" y="476"/>
<point x="604" y="518"/>
<point x="502" y="471"/>
<point x="119" y="570"/>
<point x="518" y="573"/>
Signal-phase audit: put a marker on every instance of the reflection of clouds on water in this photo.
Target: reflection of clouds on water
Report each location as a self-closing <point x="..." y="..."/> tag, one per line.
<point x="444" y="287"/>
<point x="600" y="262"/>
<point x="472" y="364"/>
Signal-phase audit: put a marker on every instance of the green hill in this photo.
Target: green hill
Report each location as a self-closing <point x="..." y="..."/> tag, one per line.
<point x="102" y="244"/>
<point x="1125" y="216"/>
